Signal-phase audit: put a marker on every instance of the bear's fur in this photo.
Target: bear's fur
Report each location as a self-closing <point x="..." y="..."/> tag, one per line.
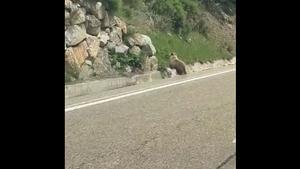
<point x="177" y="64"/>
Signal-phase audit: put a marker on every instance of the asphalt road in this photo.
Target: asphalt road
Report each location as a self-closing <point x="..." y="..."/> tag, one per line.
<point x="186" y="126"/>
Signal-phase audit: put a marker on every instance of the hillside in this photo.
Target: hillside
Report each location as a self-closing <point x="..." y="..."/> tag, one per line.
<point x="197" y="30"/>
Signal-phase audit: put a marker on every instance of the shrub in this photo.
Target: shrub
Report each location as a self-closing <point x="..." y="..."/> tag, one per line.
<point x="126" y="60"/>
<point x="135" y="4"/>
<point x="113" y="6"/>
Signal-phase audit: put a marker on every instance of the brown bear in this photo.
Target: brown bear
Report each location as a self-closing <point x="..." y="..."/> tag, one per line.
<point x="177" y="64"/>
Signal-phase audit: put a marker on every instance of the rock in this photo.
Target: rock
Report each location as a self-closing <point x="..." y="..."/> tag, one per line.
<point x="121" y="49"/>
<point x="138" y="40"/>
<point x="74" y="6"/>
<point x="112" y="21"/>
<point x="71" y="68"/>
<point x="82" y="26"/>
<point x="96" y="8"/>
<point x="118" y="65"/>
<point x="88" y="62"/>
<point x="75" y="57"/>
<point x="93" y="7"/>
<point x="77" y="16"/>
<point x="171" y="72"/>
<point x="105" y="21"/>
<point x="121" y="24"/>
<point x="80" y="53"/>
<point x="103" y="37"/>
<point x="128" y="69"/>
<point x="153" y="63"/>
<point x="69" y="77"/>
<point x="86" y="72"/>
<point x="148" y="50"/>
<point x="135" y="50"/>
<point x="93" y="25"/>
<point x="93" y="45"/>
<point x="143" y="41"/>
<point x="131" y="41"/>
<point x="68" y="4"/>
<point x="102" y="65"/>
<point x="107" y="30"/>
<point x="116" y="35"/>
<point x="67" y="18"/>
<point x="111" y="46"/>
<point x="74" y="35"/>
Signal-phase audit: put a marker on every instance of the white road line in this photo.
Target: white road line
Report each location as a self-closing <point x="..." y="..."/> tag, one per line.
<point x="87" y="104"/>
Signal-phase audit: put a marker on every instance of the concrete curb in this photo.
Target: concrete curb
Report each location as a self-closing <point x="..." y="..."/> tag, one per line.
<point x="147" y="77"/>
<point x="96" y="86"/>
<point x="108" y="84"/>
<point x="114" y="83"/>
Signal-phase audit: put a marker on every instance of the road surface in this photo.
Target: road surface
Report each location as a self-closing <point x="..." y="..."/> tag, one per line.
<point x="189" y="125"/>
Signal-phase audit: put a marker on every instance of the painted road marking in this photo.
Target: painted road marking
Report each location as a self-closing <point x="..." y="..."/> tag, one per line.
<point x="95" y="102"/>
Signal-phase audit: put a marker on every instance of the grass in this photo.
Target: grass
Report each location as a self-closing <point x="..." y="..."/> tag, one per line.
<point x="199" y="50"/>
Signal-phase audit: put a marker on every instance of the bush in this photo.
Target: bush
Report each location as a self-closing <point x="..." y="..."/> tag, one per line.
<point x="181" y="12"/>
<point x="126" y="60"/>
<point x="113" y="6"/>
<point x="127" y="12"/>
<point x="135" y="4"/>
<point x="203" y="28"/>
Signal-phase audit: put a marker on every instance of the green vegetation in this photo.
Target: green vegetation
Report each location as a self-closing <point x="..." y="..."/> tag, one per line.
<point x="182" y="18"/>
<point x="112" y="6"/>
<point x="199" y="49"/>
<point x="121" y="61"/>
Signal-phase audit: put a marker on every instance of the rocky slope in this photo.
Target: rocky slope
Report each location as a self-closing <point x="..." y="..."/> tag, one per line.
<point x="97" y="44"/>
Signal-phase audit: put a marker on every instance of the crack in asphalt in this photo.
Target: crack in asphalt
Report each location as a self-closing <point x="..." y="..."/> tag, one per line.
<point x="226" y="160"/>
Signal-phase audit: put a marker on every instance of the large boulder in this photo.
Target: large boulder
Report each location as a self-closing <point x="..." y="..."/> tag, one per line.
<point x="111" y="46"/>
<point x="122" y="49"/>
<point x="67" y="18"/>
<point x="97" y="10"/>
<point x="105" y="21"/>
<point x="103" y="37"/>
<point x="148" y="50"/>
<point x="86" y="72"/>
<point x="93" y="7"/>
<point x="68" y="4"/>
<point x="102" y="65"/>
<point x="75" y="57"/>
<point x="77" y="16"/>
<point x="83" y="27"/>
<point x="74" y="35"/>
<point x="121" y="24"/>
<point x="93" y="44"/>
<point x="138" y="39"/>
<point x="135" y="50"/>
<point x="144" y="42"/>
<point x="116" y="35"/>
<point x="93" y="25"/>
<point x="74" y="6"/>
